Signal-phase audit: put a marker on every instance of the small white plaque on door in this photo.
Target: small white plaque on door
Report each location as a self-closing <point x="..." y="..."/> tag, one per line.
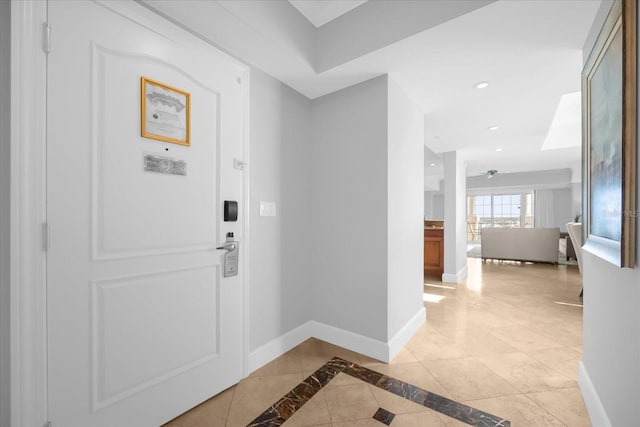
<point x="267" y="208"/>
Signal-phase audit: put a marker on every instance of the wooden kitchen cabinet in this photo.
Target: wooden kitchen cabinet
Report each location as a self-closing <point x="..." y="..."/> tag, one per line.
<point x="433" y="249"/>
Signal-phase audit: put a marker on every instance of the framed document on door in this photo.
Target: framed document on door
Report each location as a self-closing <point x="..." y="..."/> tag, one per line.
<point x="165" y="112"/>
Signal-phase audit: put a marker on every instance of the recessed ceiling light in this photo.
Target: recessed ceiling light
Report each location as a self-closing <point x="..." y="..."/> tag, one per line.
<point x="481" y="85"/>
<point x="433" y="164"/>
<point x="498" y="149"/>
<point x="493" y="127"/>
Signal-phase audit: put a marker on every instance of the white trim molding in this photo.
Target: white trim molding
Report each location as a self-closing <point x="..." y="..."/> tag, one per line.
<point x="596" y="411"/>
<point x="402" y="337"/>
<point x="458" y="277"/>
<point x="246" y="188"/>
<point x="351" y="341"/>
<point x="279" y="346"/>
<point x="28" y="213"/>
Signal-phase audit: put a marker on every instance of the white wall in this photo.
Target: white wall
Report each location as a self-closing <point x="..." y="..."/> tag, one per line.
<point x="611" y="337"/>
<point x="433" y="205"/>
<point x="280" y="163"/>
<point x="285" y="26"/>
<point x="405" y="207"/>
<point x="428" y="203"/>
<point x="349" y="209"/>
<point x="5" y="89"/>
<point x="610" y="380"/>
<point x="455" y="218"/>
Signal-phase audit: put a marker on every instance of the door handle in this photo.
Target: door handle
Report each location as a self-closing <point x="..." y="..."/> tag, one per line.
<point x="230" y="257"/>
<point x="227" y="247"/>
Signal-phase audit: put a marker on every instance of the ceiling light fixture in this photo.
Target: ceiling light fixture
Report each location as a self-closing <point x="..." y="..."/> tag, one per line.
<point x="493" y="127"/>
<point x="433" y="164"/>
<point x="498" y="149"/>
<point x="481" y="85"/>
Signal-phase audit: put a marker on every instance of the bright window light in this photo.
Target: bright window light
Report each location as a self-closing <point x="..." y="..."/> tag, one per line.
<point x="569" y="304"/>
<point x="566" y="127"/>
<point x="432" y="297"/>
<point x="439" y="286"/>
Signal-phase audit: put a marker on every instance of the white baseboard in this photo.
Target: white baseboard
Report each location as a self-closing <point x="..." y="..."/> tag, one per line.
<point x="279" y="346"/>
<point x="456" y="278"/>
<point x="591" y="399"/>
<point x="403" y="336"/>
<point x="351" y="341"/>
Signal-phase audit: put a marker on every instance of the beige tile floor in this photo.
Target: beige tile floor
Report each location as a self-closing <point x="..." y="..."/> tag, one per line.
<point x="499" y="342"/>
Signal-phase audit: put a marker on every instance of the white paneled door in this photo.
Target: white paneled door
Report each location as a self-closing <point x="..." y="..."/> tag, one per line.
<point x="142" y="325"/>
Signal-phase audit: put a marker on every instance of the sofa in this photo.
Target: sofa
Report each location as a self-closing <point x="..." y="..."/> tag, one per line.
<point x="521" y="244"/>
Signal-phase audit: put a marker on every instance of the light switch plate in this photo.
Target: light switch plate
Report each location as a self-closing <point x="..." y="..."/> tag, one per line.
<point x="267" y="208"/>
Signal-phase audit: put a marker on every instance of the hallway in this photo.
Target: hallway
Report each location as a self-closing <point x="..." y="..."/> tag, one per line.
<point x="507" y="341"/>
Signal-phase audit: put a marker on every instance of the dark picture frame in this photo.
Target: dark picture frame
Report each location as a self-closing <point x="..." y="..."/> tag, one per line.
<point x="609" y="138"/>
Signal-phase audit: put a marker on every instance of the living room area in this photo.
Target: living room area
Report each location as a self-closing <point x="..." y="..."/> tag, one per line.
<point x="523" y="216"/>
<point x="510" y="334"/>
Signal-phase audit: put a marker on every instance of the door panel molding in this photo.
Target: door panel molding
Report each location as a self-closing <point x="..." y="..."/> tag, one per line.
<point x="110" y="383"/>
<point x="102" y="58"/>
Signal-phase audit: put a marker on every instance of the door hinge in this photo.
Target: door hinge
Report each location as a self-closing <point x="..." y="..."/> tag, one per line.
<point x="45" y="237"/>
<point x="46" y="37"/>
<point x="239" y="164"/>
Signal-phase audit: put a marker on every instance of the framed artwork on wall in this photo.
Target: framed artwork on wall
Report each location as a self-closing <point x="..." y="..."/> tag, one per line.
<point x="166" y="112"/>
<point x="609" y="138"/>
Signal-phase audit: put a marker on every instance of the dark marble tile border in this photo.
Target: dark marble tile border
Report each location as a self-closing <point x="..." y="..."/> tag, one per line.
<point x="284" y="408"/>
<point x="448" y="407"/>
<point x="384" y="416"/>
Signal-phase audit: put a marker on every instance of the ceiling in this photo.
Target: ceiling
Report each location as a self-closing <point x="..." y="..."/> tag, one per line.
<point x="319" y="12"/>
<point x="530" y="52"/>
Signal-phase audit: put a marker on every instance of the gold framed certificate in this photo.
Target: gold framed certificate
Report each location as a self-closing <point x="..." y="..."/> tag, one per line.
<point x="165" y="112"/>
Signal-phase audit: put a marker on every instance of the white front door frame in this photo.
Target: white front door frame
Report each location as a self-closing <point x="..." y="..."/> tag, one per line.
<point x="28" y="342"/>
<point x="28" y="214"/>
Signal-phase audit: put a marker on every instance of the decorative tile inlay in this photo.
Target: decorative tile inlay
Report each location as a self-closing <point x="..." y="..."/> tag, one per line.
<point x="384" y="416"/>
<point x="445" y="406"/>
<point x="284" y="408"/>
